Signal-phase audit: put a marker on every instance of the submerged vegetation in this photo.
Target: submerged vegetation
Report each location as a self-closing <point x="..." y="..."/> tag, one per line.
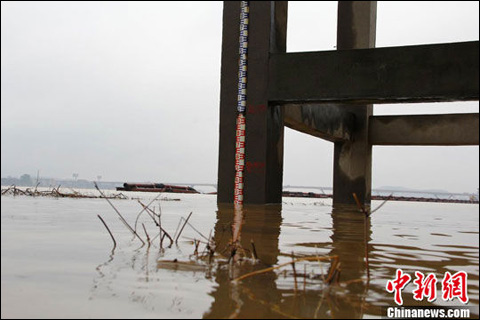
<point x="215" y="252"/>
<point x="54" y="192"/>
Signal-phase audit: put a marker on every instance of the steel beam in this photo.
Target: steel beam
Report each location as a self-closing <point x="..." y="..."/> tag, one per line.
<point x="424" y="130"/>
<point x="423" y="73"/>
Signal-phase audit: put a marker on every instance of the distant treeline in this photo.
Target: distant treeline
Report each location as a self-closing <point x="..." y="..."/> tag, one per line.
<point x="26" y="180"/>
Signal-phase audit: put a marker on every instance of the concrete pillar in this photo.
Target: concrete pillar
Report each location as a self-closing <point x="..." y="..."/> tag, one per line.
<point x="228" y="101"/>
<point x="263" y="174"/>
<point x="353" y="159"/>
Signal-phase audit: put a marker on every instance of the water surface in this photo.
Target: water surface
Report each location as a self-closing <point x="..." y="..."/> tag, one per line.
<point x="57" y="259"/>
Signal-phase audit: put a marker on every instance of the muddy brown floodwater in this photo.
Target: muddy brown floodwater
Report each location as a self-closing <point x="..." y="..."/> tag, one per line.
<point x="57" y="259"/>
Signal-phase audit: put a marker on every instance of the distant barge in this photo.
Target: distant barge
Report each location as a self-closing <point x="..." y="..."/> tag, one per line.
<point x="156" y="187"/>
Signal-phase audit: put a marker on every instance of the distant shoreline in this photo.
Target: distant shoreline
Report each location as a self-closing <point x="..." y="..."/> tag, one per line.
<point x="27" y="191"/>
<point x="377" y="194"/>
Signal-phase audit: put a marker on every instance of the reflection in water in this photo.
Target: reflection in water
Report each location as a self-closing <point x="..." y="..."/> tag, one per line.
<point x="257" y="224"/>
<point x="273" y="294"/>
<point x="364" y="267"/>
<point x="100" y="280"/>
<point x="108" y="271"/>
<point x="345" y="299"/>
<point x="350" y="237"/>
<point x="260" y="225"/>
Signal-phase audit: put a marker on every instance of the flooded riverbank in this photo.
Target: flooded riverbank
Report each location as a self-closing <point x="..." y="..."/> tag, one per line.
<point x="57" y="258"/>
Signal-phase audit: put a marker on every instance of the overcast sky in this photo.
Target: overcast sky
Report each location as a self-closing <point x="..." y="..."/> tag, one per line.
<point x="130" y="91"/>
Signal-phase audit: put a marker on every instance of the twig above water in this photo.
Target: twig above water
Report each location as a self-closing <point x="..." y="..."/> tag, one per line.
<point x="146" y="233"/>
<point x="111" y="235"/>
<point x="144" y="208"/>
<point x="119" y="214"/>
<point x="294" y="272"/>
<point x="254" y="250"/>
<point x="180" y="232"/>
<point x="359" y="205"/>
<point x="152" y="214"/>
<point x="381" y="205"/>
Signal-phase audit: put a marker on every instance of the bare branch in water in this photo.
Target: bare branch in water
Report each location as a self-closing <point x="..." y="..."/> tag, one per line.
<point x="381" y="205"/>
<point x="111" y="235"/>
<point x="294" y="272"/>
<point x="254" y="251"/>
<point x="160" y="227"/>
<point x="119" y="214"/>
<point x="146" y="233"/>
<point x="180" y="232"/>
<point x="359" y="205"/>
<point x="164" y="234"/>
<point x="148" y="205"/>
<point x="158" y="224"/>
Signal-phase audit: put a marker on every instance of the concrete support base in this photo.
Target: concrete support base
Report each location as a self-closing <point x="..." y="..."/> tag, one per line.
<point x="330" y="94"/>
